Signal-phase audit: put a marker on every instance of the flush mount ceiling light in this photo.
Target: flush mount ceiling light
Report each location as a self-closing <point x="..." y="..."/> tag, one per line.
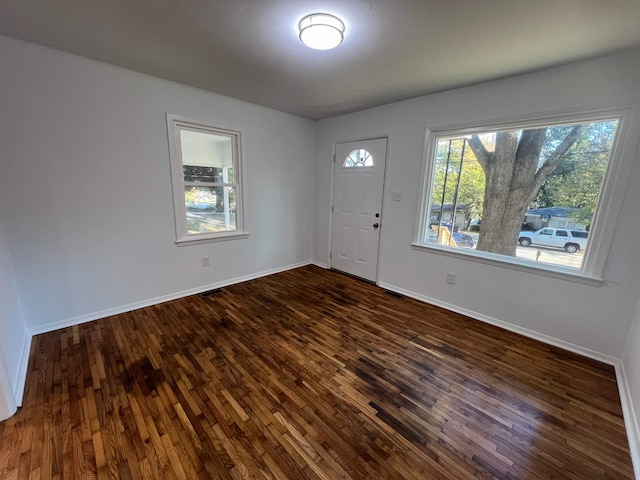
<point x="321" y="31"/>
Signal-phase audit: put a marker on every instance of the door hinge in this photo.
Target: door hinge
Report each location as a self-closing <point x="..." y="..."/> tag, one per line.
<point x="334" y="158"/>
<point x="331" y="208"/>
<point x="330" y="255"/>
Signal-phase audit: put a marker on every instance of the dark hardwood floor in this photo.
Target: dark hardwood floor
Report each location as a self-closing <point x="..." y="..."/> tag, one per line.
<point x="310" y="374"/>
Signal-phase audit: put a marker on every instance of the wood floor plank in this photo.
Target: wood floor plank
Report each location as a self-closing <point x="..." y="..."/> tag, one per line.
<point x="310" y="374"/>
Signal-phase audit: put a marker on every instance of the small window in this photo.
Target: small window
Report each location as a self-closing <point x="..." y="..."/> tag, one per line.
<point x="206" y="175"/>
<point x="561" y="233"/>
<point x="579" y="234"/>
<point x="358" y="158"/>
<point x="494" y="182"/>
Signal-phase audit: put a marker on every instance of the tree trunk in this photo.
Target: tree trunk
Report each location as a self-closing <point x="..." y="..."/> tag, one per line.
<point x="512" y="182"/>
<point x="219" y="198"/>
<point x="499" y="232"/>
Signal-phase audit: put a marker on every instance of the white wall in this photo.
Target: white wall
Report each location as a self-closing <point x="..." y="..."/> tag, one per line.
<point x="85" y="186"/>
<point x="14" y="337"/>
<point x="7" y="398"/>
<point x="631" y="367"/>
<point x="590" y="319"/>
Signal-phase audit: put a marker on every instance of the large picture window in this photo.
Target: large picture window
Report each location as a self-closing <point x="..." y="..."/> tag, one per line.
<point x="206" y="175"/>
<point x="526" y="194"/>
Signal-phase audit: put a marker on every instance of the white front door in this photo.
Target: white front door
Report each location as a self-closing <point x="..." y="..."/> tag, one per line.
<point x="357" y="206"/>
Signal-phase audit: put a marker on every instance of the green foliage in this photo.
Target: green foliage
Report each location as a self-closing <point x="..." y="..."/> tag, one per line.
<point x="190" y="194"/>
<point x="577" y="179"/>
<point x="462" y="163"/>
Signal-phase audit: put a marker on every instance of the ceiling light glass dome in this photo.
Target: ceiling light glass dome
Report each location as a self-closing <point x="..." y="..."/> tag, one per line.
<point x="321" y="31"/>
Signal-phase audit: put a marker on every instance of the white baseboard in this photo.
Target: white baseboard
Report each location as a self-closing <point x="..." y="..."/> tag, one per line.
<point x="69" y="322"/>
<point x="507" y="326"/>
<point x="321" y="265"/>
<point x="21" y="377"/>
<point x="630" y="419"/>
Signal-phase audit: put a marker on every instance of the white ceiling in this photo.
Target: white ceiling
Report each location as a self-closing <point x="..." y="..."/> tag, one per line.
<point x="392" y="50"/>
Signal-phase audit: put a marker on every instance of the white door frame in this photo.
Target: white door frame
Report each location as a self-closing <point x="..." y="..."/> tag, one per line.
<point x="332" y="191"/>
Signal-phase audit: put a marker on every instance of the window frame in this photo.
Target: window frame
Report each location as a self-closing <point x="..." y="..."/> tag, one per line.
<point x="610" y="197"/>
<point x="176" y="124"/>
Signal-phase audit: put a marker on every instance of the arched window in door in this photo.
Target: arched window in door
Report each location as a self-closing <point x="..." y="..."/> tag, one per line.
<point x="358" y="158"/>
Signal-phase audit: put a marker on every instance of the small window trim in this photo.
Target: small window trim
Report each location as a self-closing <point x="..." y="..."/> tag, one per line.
<point x="176" y="123"/>
<point x="609" y="199"/>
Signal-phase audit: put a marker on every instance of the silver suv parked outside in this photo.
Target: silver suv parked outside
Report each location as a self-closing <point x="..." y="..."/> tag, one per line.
<point x="570" y="240"/>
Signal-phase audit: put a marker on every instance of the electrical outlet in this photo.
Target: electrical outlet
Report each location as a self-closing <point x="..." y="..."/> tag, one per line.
<point x="205" y="261"/>
<point x="451" y="278"/>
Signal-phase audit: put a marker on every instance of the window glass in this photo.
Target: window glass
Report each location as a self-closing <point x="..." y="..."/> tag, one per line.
<point x="504" y="187"/>
<point x="210" y="209"/>
<point x="358" y="158"/>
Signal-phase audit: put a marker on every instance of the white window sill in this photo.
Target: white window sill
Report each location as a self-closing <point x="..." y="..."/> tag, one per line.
<point x="513" y="263"/>
<point x="218" y="237"/>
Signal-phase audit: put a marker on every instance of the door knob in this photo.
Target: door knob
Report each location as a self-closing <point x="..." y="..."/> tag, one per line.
<point x="375" y="225"/>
